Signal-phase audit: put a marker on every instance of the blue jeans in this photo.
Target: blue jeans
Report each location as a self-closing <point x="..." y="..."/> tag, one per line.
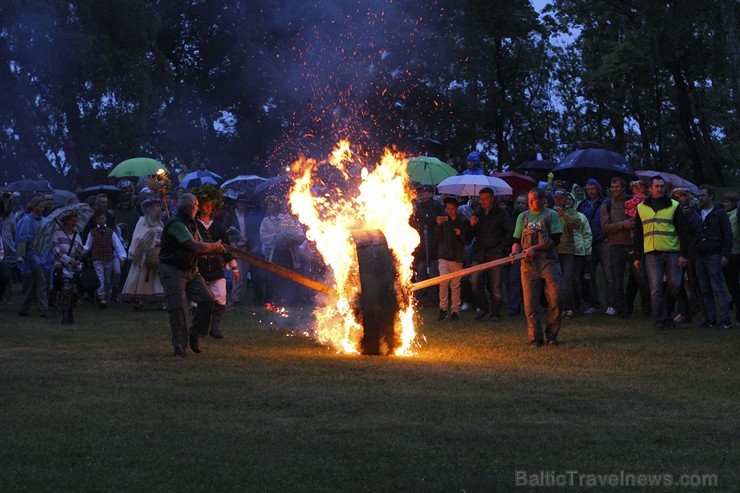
<point x="180" y="286"/>
<point x="600" y="255"/>
<point x="712" y="288"/>
<point x="658" y="264"/>
<point x="515" y="289"/>
<point x="495" y="280"/>
<point x="618" y="259"/>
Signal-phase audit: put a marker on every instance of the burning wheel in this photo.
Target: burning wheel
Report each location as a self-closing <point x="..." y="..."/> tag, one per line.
<point x="377" y="303"/>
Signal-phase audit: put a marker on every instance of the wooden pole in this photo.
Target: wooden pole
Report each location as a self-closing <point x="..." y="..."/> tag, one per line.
<point x="281" y="271"/>
<point x="464" y="272"/>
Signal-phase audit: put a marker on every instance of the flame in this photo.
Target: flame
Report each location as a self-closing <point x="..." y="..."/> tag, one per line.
<point x="382" y="201"/>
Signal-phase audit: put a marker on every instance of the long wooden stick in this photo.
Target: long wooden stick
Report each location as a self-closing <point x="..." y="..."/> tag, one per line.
<point x="280" y="270"/>
<point x="433" y="281"/>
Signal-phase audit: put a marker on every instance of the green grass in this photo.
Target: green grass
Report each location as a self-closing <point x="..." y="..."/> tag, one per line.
<point x="104" y="406"/>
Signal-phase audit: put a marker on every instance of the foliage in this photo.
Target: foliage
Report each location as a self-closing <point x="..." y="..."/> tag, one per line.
<point x="250" y="85"/>
<point x="210" y="193"/>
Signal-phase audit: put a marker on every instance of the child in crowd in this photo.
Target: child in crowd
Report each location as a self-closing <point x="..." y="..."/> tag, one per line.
<point x="104" y="245"/>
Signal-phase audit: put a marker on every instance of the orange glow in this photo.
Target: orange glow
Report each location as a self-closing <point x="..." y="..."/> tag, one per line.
<point x="381" y="201"/>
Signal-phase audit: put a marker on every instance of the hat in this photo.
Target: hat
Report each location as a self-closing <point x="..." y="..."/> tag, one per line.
<point x="594" y="182"/>
<point x="637" y="183"/>
<point x="474" y="157"/>
<point x="732" y="196"/>
<point x="561" y="192"/>
<point x="425" y="188"/>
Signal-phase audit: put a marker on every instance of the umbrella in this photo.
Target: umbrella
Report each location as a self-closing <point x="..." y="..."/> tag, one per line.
<point x="278" y="186"/>
<point x="603" y="165"/>
<point x="200" y="178"/>
<point x="517" y="181"/>
<point x="471" y="185"/>
<point x="428" y="170"/>
<point x="61" y="197"/>
<point x="111" y="191"/>
<point x="27" y="186"/>
<point x="42" y="242"/>
<point x="674" y="180"/>
<point x="242" y="184"/>
<point x="138" y="166"/>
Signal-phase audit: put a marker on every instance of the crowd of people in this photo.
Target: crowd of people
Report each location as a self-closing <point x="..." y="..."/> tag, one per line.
<point x="170" y="255"/>
<point x="679" y="253"/>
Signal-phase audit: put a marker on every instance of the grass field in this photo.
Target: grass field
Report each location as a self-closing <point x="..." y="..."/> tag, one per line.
<point x="104" y="406"/>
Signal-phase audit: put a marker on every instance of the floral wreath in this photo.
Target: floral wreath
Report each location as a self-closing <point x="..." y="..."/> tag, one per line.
<point x="210" y="193"/>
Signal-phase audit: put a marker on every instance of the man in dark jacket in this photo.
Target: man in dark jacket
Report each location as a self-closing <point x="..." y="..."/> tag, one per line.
<point x="178" y="271"/>
<point x="452" y="233"/>
<point x="493" y="227"/>
<point x="591" y="208"/>
<point x="424" y="220"/>
<point x="713" y="248"/>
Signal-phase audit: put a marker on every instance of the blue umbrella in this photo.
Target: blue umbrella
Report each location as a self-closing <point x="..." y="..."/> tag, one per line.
<point x="199" y="178"/>
<point x="603" y="165"/>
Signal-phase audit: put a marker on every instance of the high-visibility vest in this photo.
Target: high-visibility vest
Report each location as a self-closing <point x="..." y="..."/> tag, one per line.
<point x="658" y="230"/>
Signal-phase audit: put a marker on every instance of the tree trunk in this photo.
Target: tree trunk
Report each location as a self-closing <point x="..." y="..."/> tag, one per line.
<point x="727" y="9"/>
<point x="685" y="118"/>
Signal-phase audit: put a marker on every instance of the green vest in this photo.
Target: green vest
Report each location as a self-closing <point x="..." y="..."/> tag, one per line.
<point x="658" y="230"/>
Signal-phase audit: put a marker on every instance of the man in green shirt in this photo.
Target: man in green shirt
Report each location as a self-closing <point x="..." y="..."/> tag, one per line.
<point x="178" y="271"/>
<point x="537" y="235"/>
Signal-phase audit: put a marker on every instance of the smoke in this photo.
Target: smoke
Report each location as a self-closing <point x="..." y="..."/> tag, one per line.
<point x="340" y="69"/>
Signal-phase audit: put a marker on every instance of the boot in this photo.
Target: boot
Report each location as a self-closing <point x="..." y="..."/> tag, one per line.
<point x="218" y="311"/>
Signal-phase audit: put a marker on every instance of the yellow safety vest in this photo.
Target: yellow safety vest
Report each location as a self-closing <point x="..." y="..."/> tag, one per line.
<point x="658" y="230"/>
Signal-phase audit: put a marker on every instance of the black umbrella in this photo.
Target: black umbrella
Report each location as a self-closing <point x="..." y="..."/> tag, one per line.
<point x="603" y="165"/>
<point x="279" y="186"/>
<point x="27" y="186"/>
<point x="110" y="190"/>
<point x="537" y="169"/>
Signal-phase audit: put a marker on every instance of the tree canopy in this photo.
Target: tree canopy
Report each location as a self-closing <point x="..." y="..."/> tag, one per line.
<point x="244" y="86"/>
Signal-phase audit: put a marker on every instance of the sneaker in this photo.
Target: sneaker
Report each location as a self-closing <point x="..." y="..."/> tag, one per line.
<point x="454" y="317"/>
<point x="726" y="325"/>
<point x="681" y="318"/>
<point x="611" y="311"/>
<point x="708" y="324"/>
<point x="589" y="311"/>
<point x="568" y="314"/>
<point x="481" y="315"/>
<point x="465" y="306"/>
<point x="535" y="344"/>
<point x="552" y="342"/>
<point x="495" y="319"/>
<point x="442" y="315"/>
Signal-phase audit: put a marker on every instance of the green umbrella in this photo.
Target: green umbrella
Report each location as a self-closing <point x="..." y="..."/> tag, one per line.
<point x="138" y="166"/>
<point x="428" y="170"/>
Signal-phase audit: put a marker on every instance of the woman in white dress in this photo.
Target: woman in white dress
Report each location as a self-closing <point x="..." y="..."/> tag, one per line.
<point x="143" y="284"/>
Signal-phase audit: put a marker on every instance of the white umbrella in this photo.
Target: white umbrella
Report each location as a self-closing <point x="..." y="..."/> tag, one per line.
<point x="471" y="185"/>
<point x="242" y="184"/>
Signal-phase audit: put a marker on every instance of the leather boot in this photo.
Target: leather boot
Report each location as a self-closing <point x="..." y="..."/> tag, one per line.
<point x="218" y="311"/>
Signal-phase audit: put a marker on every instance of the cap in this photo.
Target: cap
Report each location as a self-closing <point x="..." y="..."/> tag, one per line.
<point x="425" y="188"/>
<point x="561" y="192"/>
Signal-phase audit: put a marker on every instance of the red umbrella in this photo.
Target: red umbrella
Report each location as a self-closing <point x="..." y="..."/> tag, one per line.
<point x="517" y="181"/>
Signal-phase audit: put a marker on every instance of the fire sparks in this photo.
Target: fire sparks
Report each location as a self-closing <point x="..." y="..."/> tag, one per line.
<point x="375" y="199"/>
